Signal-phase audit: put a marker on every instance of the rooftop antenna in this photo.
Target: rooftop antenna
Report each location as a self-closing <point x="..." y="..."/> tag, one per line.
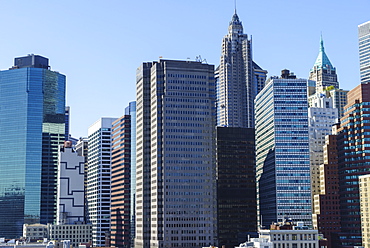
<point x="235" y="6"/>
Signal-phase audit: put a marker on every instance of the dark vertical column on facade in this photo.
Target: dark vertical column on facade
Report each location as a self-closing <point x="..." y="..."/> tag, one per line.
<point x="120" y="184"/>
<point x="236" y="185"/>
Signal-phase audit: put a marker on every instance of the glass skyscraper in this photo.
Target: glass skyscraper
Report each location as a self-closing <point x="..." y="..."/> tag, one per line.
<point x="32" y="107"/>
<point x="364" y="49"/>
<point x="282" y="149"/>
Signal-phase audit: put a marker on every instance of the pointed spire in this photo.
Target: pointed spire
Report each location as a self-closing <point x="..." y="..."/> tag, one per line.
<point x="235" y="7"/>
<point x="322" y="60"/>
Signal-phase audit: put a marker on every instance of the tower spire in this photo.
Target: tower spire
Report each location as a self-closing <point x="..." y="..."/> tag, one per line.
<point x="235" y="7"/>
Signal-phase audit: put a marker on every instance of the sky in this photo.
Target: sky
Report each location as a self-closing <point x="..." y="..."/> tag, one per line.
<point x="99" y="45"/>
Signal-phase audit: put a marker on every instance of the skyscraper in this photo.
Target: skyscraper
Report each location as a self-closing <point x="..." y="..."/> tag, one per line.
<point x="353" y="161"/>
<point x="99" y="179"/>
<point x="236" y="185"/>
<point x="239" y="79"/>
<point x="323" y="72"/>
<point x="176" y="189"/>
<point x="32" y="114"/>
<point x="364" y="49"/>
<point x="121" y="182"/>
<point x="282" y="148"/>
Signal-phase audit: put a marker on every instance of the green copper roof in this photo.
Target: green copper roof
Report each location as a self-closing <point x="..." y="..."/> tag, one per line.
<point x="322" y="60"/>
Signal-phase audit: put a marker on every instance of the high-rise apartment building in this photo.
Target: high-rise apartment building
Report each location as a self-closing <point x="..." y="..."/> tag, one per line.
<point x="353" y="161"/>
<point x="131" y="111"/>
<point x="364" y="49"/>
<point x="339" y="97"/>
<point x="176" y="190"/>
<point x="236" y="185"/>
<point x="323" y="72"/>
<point x="121" y="182"/>
<point x="32" y="113"/>
<point x="99" y="179"/>
<point x="239" y="79"/>
<point x="71" y="192"/>
<point x="282" y="151"/>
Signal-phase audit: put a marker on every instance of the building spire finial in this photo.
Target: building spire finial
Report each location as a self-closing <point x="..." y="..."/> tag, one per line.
<point x="321" y="43"/>
<point x="234" y="6"/>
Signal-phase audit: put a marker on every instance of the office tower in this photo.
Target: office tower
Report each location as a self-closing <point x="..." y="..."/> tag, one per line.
<point x="131" y="110"/>
<point x="353" y="161"/>
<point x="71" y="195"/>
<point x="321" y="117"/>
<point x="364" y="187"/>
<point x="328" y="222"/>
<point x="282" y="151"/>
<point x="121" y="182"/>
<point x="239" y="79"/>
<point x="175" y="187"/>
<point x="236" y="185"/>
<point x="364" y="49"/>
<point x="98" y="179"/>
<point x="32" y="105"/>
<point x="81" y="148"/>
<point x="323" y="71"/>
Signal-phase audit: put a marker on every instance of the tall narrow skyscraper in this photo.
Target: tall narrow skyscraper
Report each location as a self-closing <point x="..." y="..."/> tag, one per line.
<point x="364" y="49"/>
<point x="176" y="190"/>
<point x="99" y="179"/>
<point x="32" y="114"/>
<point x="239" y="79"/>
<point x="282" y="148"/>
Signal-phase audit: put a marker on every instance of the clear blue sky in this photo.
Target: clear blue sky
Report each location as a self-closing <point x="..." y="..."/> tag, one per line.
<point x="99" y="44"/>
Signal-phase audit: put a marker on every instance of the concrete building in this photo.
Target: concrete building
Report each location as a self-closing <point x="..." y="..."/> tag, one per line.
<point x="34" y="232"/>
<point x="77" y="234"/>
<point x="176" y="190"/>
<point x="321" y="117"/>
<point x="121" y="182"/>
<point x="288" y="235"/>
<point x="70" y="192"/>
<point x="239" y="79"/>
<point x="364" y="186"/>
<point x="99" y="179"/>
<point x="323" y="72"/>
<point x="282" y="150"/>
<point x="32" y="101"/>
<point x="364" y="51"/>
<point x="236" y="185"/>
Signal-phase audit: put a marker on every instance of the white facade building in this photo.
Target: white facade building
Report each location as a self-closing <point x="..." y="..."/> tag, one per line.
<point x="98" y="178"/>
<point x="70" y="193"/>
<point x="322" y="115"/>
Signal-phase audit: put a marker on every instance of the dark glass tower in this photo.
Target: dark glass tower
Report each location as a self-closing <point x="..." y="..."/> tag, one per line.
<point x="32" y="106"/>
<point x="236" y="185"/>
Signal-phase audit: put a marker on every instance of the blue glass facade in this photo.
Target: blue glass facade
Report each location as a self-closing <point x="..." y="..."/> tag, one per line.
<point x="282" y="146"/>
<point x="29" y="98"/>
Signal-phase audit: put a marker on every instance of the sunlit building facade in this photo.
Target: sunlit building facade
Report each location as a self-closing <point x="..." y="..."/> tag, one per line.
<point x="32" y="114"/>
